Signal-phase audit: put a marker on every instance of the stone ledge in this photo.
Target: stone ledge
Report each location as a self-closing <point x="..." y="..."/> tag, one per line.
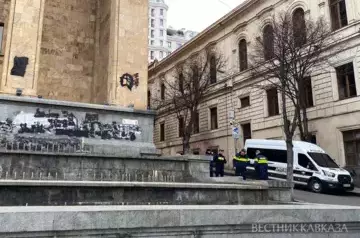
<point x="146" y="220"/>
<point x="31" y="100"/>
<point x="41" y="183"/>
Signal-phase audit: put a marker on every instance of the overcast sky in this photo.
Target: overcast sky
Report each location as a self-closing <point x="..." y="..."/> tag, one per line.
<point x="196" y="15"/>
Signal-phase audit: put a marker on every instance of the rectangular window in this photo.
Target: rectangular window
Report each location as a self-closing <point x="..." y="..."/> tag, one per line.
<point x="152" y="34"/>
<point x="162" y="91"/>
<point x="149" y="99"/>
<point x="1" y="37"/>
<point x="196" y="123"/>
<point x="169" y="44"/>
<point x="152" y="23"/>
<point x="152" y="54"/>
<point x="181" y="126"/>
<point x="346" y="81"/>
<point x="152" y="12"/>
<point x="161" y="55"/>
<point x="161" y="12"/>
<point x="246" y="128"/>
<point x="162" y="131"/>
<point x="272" y="154"/>
<point x="308" y="96"/>
<point x="338" y="14"/>
<point x="352" y="147"/>
<point x="161" y="22"/>
<point x="213" y="118"/>
<point x="151" y="42"/>
<point x="161" y="33"/>
<point x="245" y="101"/>
<point x="162" y="43"/>
<point x="272" y="102"/>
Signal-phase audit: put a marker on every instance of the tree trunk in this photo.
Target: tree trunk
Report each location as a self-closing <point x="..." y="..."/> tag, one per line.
<point x="290" y="165"/>
<point x="289" y="145"/>
<point x="186" y="144"/>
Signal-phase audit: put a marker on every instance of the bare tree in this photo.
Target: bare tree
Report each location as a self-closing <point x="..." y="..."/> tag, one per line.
<point x="187" y="87"/>
<point x="286" y="53"/>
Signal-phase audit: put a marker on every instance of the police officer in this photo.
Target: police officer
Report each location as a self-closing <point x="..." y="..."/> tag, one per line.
<point x="241" y="162"/>
<point x="210" y="157"/>
<point x="261" y="165"/>
<point x="220" y="161"/>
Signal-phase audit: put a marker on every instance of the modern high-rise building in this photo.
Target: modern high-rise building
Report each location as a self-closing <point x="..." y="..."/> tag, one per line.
<point x="163" y="40"/>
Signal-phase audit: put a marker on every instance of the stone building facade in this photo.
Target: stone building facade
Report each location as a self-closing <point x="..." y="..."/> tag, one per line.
<point x="77" y="50"/>
<point x="335" y="111"/>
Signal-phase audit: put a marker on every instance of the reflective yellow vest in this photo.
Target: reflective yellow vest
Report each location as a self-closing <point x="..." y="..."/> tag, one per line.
<point x="261" y="160"/>
<point x="221" y="158"/>
<point x="241" y="159"/>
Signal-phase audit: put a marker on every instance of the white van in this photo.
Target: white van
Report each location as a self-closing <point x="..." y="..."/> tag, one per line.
<point x="312" y="166"/>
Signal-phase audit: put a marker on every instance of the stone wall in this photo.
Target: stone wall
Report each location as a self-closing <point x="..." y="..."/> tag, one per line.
<point x="68" y="50"/>
<point x="182" y="221"/>
<point x="101" y="87"/>
<point x="57" y="126"/>
<point x="59" y="193"/>
<point x="4" y="14"/>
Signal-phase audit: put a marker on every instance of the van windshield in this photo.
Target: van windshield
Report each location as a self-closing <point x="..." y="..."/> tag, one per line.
<point x="323" y="160"/>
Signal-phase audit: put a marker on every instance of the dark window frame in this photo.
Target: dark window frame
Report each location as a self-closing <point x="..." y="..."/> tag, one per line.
<point x="268" y="42"/>
<point x="346" y="81"/>
<point x="162" y="132"/>
<point x="162" y="91"/>
<point x="181" y="126"/>
<point x="309" y="101"/>
<point x="243" y="58"/>
<point x="338" y="14"/>
<point x="196" y="123"/>
<point x="245" y="102"/>
<point x="214" y="123"/>
<point x="299" y="27"/>
<point x="2" y="33"/>
<point x="213" y="70"/>
<point x="352" y="138"/>
<point x="247" y="134"/>
<point x="148" y="99"/>
<point x="272" y="102"/>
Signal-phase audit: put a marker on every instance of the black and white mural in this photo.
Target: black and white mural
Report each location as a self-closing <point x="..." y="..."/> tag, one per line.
<point x="56" y="128"/>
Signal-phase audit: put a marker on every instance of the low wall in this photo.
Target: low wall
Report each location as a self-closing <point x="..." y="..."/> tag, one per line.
<point x="59" y="126"/>
<point x="282" y="221"/>
<point x="45" y="193"/>
<point x="87" y="167"/>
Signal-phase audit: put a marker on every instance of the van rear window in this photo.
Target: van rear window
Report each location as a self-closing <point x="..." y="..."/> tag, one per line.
<point x="323" y="160"/>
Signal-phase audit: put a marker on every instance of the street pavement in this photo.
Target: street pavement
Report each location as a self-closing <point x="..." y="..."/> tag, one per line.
<point x="303" y="195"/>
<point x="347" y="198"/>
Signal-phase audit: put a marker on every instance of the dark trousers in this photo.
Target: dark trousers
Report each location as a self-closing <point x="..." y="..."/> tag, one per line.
<point x="263" y="171"/>
<point x="240" y="170"/>
<point x="219" y="170"/>
<point x="211" y="167"/>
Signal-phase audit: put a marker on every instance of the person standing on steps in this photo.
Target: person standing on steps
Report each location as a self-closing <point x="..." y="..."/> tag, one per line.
<point x="220" y="162"/>
<point x="241" y="161"/>
<point x="261" y="165"/>
<point x="209" y="155"/>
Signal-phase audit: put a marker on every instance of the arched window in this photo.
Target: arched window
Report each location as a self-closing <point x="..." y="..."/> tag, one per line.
<point x="299" y="27"/>
<point x="268" y="37"/>
<point x="243" y="55"/>
<point x="213" y="69"/>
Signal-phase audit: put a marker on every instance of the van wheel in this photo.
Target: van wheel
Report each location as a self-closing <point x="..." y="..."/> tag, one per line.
<point x="316" y="186"/>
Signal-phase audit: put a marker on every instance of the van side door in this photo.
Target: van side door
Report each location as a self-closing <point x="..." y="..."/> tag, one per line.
<point x="304" y="169"/>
